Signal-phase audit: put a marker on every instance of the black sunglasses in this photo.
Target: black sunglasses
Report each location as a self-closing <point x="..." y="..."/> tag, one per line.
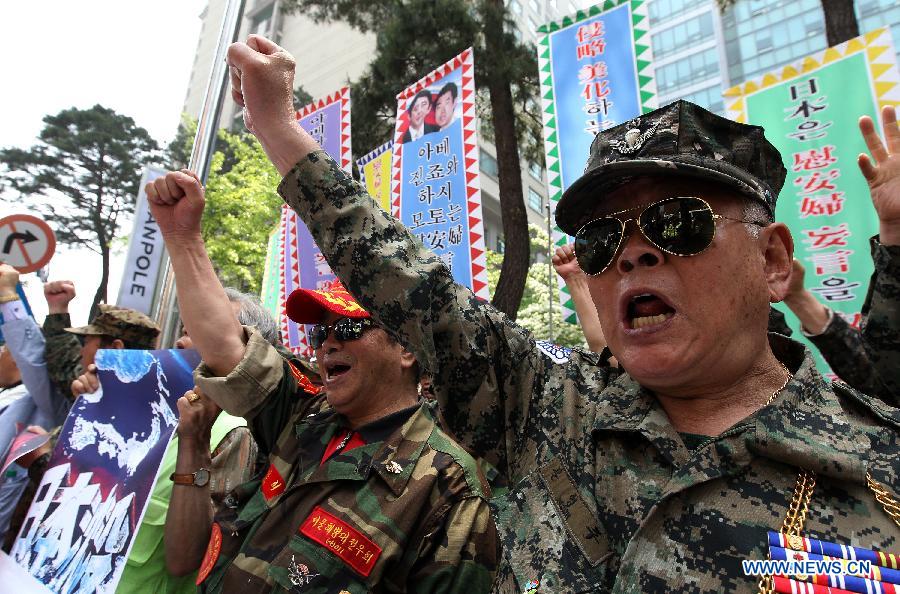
<point x="344" y="329"/>
<point x="681" y="226"/>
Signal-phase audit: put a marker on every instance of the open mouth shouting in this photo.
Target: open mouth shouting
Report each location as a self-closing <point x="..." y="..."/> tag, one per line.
<point x="646" y="310"/>
<point x="335" y="368"/>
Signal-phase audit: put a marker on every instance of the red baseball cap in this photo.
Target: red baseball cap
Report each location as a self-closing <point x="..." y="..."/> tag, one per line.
<point x="306" y="306"/>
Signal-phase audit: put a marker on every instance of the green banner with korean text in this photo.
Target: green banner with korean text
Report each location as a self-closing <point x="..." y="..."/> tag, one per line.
<point x="810" y="110"/>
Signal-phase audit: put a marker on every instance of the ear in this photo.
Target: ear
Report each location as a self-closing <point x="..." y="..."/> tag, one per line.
<point x="117" y="344"/>
<point x="778" y="250"/>
<point x="407" y="359"/>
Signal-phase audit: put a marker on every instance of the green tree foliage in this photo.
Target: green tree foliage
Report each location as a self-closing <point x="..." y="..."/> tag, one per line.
<point x="82" y="176"/>
<point x="242" y="208"/>
<point x="536" y="312"/>
<point x="415" y="36"/>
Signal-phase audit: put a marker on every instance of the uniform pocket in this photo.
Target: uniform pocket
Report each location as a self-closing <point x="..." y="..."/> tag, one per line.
<point x="305" y="566"/>
<point x="550" y="536"/>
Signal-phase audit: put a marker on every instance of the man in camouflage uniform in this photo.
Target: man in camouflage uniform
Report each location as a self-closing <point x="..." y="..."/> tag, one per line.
<point x="666" y="476"/>
<point x="363" y="492"/>
<point x="842" y="345"/>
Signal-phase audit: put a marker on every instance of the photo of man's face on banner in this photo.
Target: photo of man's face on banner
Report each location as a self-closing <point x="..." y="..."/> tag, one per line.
<point x="433" y="109"/>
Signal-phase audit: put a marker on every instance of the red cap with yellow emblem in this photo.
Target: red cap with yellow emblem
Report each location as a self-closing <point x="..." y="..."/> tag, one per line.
<point x="306" y="306"/>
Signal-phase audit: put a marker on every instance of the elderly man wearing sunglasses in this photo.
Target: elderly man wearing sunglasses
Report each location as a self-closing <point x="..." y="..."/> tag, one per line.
<point x="718" y="443"/>
<point x="363" y="492"/>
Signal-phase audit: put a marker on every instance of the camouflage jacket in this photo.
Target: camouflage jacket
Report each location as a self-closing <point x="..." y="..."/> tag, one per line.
<point x="62" y="352"/>
<point x="408" y="513"/>
<point x="848" y="350"/>
<point x="604" y="496"/>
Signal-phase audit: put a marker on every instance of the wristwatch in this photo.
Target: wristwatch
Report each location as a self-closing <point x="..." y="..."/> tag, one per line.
<point x="197" y="479"/>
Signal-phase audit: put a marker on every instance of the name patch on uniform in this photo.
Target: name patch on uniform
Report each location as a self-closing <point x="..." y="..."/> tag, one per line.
<point x="342" y="539"/>
<point x="273" y="484"/>
<point x="212" y="553"/>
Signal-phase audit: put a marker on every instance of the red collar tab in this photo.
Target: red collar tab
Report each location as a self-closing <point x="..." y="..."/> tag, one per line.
<point x="304" y="382"/>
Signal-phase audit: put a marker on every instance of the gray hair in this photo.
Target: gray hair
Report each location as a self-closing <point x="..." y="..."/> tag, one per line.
<point x="252" y="313"/>
<point x="756" y="212"/>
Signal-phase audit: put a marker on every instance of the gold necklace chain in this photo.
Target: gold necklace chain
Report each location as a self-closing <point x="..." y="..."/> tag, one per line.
<point x="775" y="394"/>
<point x="884" y="497"/>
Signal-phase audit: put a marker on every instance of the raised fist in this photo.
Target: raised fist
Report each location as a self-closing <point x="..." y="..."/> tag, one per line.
<point x="176" y="201"/>
<point x="58" y="295"/>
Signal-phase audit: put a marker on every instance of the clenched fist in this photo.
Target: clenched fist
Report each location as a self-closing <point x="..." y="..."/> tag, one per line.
<point x="58" y="295"/>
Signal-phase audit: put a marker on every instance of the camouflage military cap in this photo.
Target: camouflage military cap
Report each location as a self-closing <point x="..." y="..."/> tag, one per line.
<point x="679" y="139"/>
<point x="128" y="325"/>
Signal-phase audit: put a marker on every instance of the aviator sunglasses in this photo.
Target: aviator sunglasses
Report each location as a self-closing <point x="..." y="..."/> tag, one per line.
<point x="681" y="226"/>
<point x="344" y="329"/>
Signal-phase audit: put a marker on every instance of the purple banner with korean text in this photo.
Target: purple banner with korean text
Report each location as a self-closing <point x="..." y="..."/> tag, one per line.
<point x="302" y="263"/>
<point x="81" y="525"/>
<point x="435" y="190"/>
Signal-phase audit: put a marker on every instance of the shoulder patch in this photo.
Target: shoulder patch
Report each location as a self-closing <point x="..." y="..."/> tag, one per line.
<point x="212" y="553"/>
<point x="559" y="354"/>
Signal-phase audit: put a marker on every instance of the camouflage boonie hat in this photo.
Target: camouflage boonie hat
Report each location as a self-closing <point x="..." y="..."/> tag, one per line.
<point x="679" y="139"/>
<point x="128" y="325"/>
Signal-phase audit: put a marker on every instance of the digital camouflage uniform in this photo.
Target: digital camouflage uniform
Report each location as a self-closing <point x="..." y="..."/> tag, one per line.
<point x="408" y="513"/>
<point x="604" y="495"/>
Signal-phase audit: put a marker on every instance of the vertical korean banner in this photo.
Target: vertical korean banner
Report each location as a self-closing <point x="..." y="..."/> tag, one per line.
<point x="596" y="71"/>
<point x="302" y="263"/>
<point x="435" y="189"/>
<point x="811" y="118"/>
<point x="375" y="174"/>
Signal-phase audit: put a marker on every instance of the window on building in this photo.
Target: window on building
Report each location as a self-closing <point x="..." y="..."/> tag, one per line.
<point x="535" y="6"/>
<point x="683" y="35"/>
<point x="535" y="202"/>
<point x="515" y="7"/>
<point x="501" y="245"/>
<point x="262" y="21"/>
<point x="536" y="171"/>
<point x="532" y="23"/>
<point x="488" y="164"/>
<point x="660" y="10"/>
<point x="691" y="69"/>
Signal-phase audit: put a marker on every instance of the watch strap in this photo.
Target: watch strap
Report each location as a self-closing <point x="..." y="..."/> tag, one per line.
<point x="182" y="479"/>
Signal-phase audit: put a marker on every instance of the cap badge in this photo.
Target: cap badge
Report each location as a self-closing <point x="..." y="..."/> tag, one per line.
<point x="634" y="138"/>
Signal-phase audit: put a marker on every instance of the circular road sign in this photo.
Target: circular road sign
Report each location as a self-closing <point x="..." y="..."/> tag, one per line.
<point x="26" y="242"/>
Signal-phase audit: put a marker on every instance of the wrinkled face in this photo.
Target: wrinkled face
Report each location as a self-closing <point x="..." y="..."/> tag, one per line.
<point x="9" y="373"/>
<point x="669" y="319"/>
<point x="418" y="112"/>
<point x="443" y="110"/>
<point x="359" y="374"/>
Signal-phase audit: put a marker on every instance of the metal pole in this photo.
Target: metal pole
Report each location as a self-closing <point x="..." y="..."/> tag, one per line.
<point x="551" y="284"/>
<point x="165" y="309"/>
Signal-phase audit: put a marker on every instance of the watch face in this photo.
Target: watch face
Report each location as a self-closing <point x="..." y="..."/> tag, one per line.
<point x="201" y="477"/>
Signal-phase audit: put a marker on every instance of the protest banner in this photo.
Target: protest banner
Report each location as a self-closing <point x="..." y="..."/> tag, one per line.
<point x="812" y="120"/>
<point x="302" y="264"/>
<point x="82" y="522"/>
<point x="375" y="174"/>
<point x="435" y="189"/>
<point x="145" y="249"/>
<point x="21" y="291"/>
<point x="596" y="72"/>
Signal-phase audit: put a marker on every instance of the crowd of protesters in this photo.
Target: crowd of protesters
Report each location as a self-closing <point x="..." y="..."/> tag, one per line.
<point x="655" y="459"/>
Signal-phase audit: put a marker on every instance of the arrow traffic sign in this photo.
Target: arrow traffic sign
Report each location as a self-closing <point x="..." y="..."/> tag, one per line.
<point x="26" y="242"/>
